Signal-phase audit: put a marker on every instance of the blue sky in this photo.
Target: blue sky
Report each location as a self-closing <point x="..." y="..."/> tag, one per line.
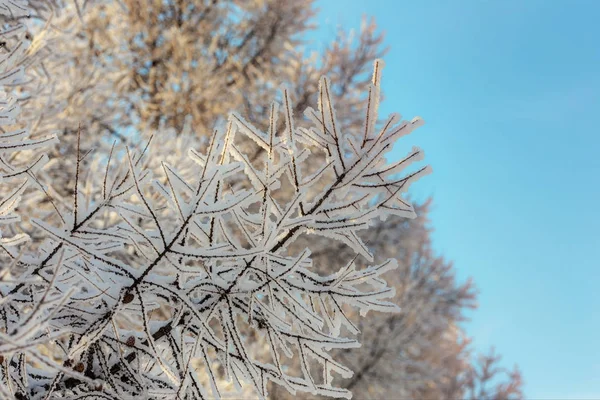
<point x="510" y="92"/>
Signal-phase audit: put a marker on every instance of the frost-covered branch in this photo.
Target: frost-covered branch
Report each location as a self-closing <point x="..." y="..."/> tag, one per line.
<point x="179" y="264"/>
<point x="161" y="276"/>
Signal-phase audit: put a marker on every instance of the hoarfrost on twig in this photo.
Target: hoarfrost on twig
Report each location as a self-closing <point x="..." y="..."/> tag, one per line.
<point x="163" y="284"/>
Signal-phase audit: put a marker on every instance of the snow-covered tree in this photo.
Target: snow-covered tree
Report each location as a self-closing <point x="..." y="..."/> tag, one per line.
<point x="118" y="65"/>
<point x="165" y="260"/>
<point x="204" y="264"/>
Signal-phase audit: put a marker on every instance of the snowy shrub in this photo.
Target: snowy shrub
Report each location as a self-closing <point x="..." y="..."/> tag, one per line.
<point x="163" y="284"/>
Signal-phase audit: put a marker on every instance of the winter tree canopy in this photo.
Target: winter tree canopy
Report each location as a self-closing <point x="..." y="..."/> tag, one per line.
<point x="190" y="208"/>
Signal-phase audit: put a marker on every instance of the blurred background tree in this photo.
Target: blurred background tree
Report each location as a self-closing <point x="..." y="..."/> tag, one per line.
<point x="128" y="69"/>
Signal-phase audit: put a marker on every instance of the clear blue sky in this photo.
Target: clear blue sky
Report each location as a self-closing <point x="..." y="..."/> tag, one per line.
<point x="510" y="91"/>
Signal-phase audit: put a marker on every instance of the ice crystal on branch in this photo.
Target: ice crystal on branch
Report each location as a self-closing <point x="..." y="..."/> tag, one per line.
<point x="162" y="283"/>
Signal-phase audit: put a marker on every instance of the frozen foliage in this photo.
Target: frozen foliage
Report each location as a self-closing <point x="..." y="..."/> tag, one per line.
<point x="158" y="282"/>
<point x="90" y="71"/>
